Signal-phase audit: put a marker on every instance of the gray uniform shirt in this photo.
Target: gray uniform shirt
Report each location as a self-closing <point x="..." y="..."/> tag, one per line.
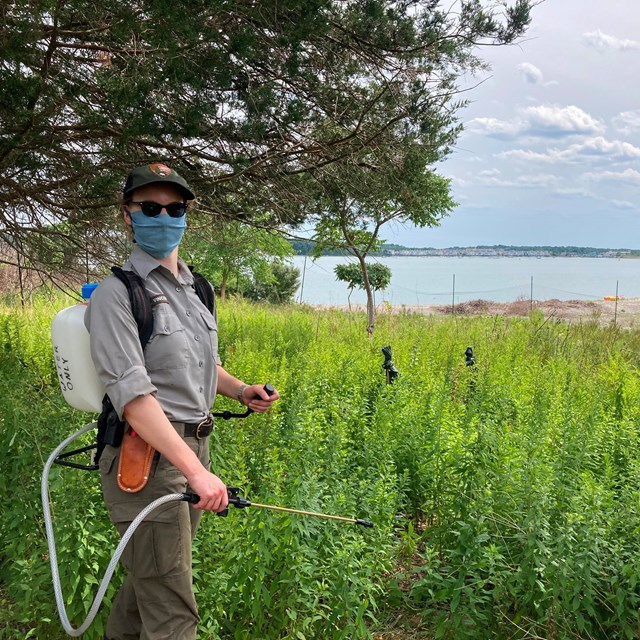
<point x="179" y="363"/>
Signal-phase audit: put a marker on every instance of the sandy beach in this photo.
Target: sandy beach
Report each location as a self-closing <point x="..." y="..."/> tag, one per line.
<point x="625" y="312"/>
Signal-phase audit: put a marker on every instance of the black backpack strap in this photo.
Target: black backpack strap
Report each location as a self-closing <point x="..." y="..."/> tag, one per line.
<point x="204" y="290"/>
<point x="140" y="303"/>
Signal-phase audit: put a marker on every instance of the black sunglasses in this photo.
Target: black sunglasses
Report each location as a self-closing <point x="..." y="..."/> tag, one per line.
<point x="153" y="209"/>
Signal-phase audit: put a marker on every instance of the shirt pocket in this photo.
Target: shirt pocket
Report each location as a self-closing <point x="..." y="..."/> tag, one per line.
<point x="167" y="347"/>
<point x="212" y="330"/>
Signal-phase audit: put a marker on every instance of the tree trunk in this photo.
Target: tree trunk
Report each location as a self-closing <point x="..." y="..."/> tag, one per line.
<point x="367" y="287"/>
<point x="20" y="278"/>
<point x="86" y="262"/>
<point x="223" y="286"/>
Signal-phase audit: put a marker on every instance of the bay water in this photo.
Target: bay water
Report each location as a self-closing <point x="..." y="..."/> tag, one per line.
<point x="426" y="280"/>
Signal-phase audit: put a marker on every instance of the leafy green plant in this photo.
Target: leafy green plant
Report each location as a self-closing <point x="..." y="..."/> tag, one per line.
<point x="504" y="494"/>
<point x="278" y="287"/>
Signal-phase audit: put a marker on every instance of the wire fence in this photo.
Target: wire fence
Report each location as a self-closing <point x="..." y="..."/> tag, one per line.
<point x="320" y="286"/>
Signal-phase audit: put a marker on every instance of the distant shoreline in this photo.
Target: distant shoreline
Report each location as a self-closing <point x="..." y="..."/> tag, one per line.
<point x="444" y="253"/>
<point x="303" y="248"/>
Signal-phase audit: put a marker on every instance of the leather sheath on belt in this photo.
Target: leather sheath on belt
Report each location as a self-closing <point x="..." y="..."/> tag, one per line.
<point x="134" y="465"/>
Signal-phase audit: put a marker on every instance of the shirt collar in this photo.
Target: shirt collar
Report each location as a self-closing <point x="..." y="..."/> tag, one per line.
<point x="143" y="264"/>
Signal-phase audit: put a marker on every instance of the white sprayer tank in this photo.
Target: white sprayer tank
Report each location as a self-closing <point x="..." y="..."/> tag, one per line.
<point x="77" y="375"/>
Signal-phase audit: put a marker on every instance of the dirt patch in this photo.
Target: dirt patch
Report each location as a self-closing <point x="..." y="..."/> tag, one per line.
<point x="624" y="312"/>
<point x="561" y="308"/>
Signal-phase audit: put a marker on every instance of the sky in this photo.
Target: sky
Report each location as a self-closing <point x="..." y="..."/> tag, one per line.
<point x="550" y="153"/>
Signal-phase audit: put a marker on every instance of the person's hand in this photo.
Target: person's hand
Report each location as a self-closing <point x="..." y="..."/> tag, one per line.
<point x="257" y="399"/>
<point x="212" y="491"/>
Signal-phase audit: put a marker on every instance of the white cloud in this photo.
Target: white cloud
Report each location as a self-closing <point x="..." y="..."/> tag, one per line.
<point x="603" y="42"/>
<point x="459" y="182"/>
<point x="541" y="121"/>
<point x="627" y="121"/>
<point x="592" y="148"/>
<point x="573" y="192"/>
<point x="628" y="175"/>
<point x="537" y="180"/>
<point x="495" y="127"/>
<point x="496" y="182"/>
<point x="530" y="73"/>
<point x="524" y="181"/>
<point x="614" y="150"/>
<point x="623" y="204"/>
<point x="529" y="156"/>
<point x="554" y="120"/>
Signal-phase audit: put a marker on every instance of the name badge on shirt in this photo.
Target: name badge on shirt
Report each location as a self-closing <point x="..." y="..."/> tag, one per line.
<point x="159" y="299"/>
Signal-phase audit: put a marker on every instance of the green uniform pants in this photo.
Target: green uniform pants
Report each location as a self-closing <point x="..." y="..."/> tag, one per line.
<point x="156" y="600"/>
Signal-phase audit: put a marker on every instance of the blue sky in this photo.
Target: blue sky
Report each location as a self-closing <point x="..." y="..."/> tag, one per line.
<point x="550" y="154"/>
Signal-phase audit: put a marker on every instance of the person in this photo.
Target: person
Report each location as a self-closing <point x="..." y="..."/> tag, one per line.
<point x="164" y="395"/>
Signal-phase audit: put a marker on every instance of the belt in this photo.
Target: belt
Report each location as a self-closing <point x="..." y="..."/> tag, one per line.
<point x="198" y="430"/>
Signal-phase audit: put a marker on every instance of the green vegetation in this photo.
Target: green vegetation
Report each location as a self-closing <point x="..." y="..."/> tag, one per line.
<point x="504" y="495"/>
<point x="351" y="204"/>
<point x="277" y="286"/>
<point x="242" y="260"/>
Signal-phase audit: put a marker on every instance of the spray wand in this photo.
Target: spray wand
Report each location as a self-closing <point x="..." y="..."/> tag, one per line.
<point x="240" y="502"/>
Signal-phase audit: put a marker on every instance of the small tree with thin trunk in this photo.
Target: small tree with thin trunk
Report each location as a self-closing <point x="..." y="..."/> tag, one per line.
<point x="353" y="206"/>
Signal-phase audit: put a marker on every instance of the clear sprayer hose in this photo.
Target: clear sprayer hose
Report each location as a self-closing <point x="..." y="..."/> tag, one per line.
<point x="44" y="488"/>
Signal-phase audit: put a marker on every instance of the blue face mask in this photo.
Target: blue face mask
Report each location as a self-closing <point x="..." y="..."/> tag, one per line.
<point x="158" y="235"/>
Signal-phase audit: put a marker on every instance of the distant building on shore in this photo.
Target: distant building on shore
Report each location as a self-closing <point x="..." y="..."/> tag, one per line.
<point x="304" y="247"/>
<point x="512" y="252"/>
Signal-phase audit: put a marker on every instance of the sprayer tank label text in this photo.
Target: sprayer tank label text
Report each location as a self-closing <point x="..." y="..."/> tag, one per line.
<point x="64" y="373"/>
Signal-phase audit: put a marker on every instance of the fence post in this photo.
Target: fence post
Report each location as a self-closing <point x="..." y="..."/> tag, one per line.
<point x="615" y="311"/>
<point x="531" y="296"/>
<point x="453" y="296"/>
<point x="304" y="271"/>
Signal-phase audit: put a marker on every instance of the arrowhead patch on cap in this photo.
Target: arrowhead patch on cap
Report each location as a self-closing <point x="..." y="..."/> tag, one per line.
<point x="160" y="170"/>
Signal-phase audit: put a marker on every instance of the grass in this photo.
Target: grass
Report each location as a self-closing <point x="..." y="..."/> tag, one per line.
<point x="504" y="495"/>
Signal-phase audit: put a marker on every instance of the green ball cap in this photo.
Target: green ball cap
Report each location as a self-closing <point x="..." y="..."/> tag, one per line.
<point x="158" y="172"/>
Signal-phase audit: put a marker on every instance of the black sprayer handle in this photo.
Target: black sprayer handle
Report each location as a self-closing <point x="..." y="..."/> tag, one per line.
<point x="191" y="498"/>
<point x="269" y="388"/>
<point x="226" y="415"/>
<point x="233" y="494"/>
